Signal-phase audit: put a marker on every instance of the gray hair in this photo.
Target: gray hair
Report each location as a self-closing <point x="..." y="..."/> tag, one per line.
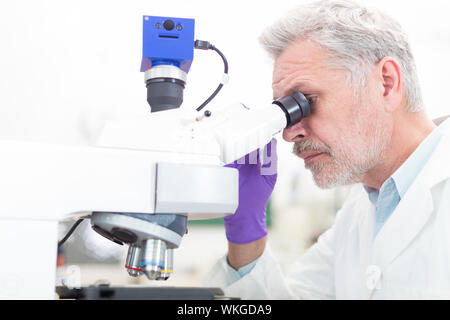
<point x="355" y="37"/>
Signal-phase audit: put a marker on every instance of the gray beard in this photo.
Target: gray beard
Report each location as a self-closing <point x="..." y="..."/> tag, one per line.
<point x="346" y="165"/>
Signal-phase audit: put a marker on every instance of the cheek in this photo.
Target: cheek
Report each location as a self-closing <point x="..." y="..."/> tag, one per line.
<point x="325" y="130"/>
<point x="336" y="133"/>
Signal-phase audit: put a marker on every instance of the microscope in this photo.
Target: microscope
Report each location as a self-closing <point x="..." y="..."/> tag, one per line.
<point x="142" y="180"/>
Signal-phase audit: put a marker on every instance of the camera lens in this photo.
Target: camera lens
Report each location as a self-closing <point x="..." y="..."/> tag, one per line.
<point x="169" y="25"/>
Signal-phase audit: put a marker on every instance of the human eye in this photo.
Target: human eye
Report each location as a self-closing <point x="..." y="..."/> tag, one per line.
<point x="311" y="99"/>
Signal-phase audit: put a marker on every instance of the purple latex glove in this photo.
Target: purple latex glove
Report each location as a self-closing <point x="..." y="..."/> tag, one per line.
<point x="256" y="183"/>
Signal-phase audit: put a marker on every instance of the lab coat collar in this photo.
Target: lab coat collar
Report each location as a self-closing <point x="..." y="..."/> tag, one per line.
<point x="438" y="167"/>
<point x="415" y="208"/>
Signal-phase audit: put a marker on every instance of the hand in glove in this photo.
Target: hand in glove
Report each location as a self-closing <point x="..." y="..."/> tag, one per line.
<point x="256" y="183"/>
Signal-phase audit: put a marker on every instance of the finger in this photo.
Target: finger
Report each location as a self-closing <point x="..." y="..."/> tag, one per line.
<point x="270" y="161"/>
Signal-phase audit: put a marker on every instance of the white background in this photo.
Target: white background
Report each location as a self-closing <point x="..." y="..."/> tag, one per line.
<point x="68" y="66"/>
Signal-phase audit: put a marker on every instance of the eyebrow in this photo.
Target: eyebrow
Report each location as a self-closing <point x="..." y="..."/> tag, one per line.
<point x="301" y="86"/>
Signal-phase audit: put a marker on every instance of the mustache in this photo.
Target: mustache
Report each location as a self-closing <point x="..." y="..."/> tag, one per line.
<point x="308" y="145"/>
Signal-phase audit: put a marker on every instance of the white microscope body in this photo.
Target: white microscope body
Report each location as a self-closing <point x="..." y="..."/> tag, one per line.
<point x="169" y="163"/>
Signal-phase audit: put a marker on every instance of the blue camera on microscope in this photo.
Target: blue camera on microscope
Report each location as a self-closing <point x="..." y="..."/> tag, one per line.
<point x="167" y="54"/>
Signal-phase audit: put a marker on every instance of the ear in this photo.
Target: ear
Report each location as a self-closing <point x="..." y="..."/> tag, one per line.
<point x="390" y="77"/>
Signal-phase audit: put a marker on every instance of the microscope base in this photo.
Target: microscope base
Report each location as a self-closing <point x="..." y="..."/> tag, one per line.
<point x="140" y="293"/>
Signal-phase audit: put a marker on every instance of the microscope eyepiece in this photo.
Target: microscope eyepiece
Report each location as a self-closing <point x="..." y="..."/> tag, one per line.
<point x="295" y="107"/>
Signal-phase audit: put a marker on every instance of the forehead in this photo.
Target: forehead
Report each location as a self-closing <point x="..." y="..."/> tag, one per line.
<point x="304" y="62"/>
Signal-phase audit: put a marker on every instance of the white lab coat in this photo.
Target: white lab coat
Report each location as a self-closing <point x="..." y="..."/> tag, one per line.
<point x="409" y="258"/>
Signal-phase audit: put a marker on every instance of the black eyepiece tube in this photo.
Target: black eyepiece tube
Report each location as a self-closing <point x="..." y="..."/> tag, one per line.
<point x="295" y="107"/>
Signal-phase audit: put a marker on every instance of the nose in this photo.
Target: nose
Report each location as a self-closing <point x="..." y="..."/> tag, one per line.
<point x="297" y="132"/>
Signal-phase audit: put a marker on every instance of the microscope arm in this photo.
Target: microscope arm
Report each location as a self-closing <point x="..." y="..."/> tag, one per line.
<point x="49" y="181"/>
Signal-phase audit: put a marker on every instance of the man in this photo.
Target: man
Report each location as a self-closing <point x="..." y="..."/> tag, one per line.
<point x="367" y="127"/>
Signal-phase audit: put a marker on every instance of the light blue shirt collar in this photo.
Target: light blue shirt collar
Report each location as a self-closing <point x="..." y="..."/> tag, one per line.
<point x="395" y="188"/>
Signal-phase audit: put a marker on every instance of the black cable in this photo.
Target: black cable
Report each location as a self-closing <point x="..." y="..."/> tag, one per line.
<point x="225" y="62"/>
<point x="75" y="225"/>
<point x="205" y="45"/>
